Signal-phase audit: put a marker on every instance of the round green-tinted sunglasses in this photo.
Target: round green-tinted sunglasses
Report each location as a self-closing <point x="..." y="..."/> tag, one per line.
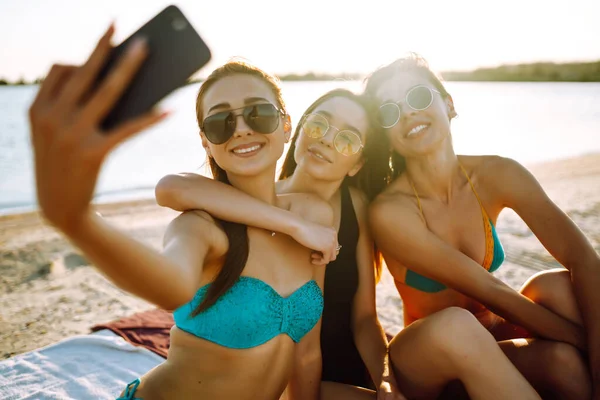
<point x="418" y="98"/>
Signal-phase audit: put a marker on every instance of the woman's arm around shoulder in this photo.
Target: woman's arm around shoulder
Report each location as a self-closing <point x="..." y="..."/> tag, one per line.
<point x="308" y="206"/>
<point x="188" y="191"/>
<point x="319" y="213"/>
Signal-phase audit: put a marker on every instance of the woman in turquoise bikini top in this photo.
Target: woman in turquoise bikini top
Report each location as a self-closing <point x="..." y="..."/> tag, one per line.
<point x="251" y="313"/>
<point x="247" y="304"/>
<point x="270" y="310"/>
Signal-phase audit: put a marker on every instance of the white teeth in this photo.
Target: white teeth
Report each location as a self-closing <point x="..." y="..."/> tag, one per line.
<point x="416" y="130"/>
<point x="318" y="155"/>
<point x="247" y="150"/>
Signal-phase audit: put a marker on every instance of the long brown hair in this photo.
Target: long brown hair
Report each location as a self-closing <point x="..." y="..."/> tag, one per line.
<point x="366" y="180"/>
<point x="390" y="164"/>
<point x="237" y="234"/>
<point x="371" y="180"/>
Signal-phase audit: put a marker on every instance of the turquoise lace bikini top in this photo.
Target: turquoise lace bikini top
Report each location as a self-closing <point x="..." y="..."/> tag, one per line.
<point x="251" y="313"/>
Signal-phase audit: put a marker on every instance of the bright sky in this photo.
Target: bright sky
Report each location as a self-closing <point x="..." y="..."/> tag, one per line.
<point x="284" y="36"/>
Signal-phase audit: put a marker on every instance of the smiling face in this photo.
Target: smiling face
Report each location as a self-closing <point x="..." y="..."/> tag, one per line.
<point x="317" y="156"/>
<point x="417" y="132"/>
<point x="246" y="152"/>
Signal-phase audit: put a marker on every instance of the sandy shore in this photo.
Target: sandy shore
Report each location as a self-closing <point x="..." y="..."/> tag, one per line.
<point x="48" y="291"/>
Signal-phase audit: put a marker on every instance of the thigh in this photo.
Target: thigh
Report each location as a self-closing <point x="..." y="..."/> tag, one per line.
<point x="420" y="364"/>
<point x="334" y="391"/>
<point x="529" y="356"/>
<point x="414" y="363"/>
<point x="553" y="289"/>
<point x="554" y="369"/>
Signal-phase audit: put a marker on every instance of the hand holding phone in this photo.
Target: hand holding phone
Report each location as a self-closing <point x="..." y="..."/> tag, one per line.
<point x="175" y="52"/>
<point x="70" y="110"/>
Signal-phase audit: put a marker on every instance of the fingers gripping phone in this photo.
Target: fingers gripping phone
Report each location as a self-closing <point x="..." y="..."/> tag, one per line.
<point x="176" y="52"/>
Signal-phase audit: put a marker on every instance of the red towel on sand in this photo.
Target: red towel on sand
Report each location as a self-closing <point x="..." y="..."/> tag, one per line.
<point x="149" y="329"/>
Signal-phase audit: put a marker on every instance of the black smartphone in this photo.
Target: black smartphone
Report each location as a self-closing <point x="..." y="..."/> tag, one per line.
<point x="176" y="52"/>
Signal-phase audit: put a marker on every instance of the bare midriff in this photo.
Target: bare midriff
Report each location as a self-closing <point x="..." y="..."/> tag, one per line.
<point x="199" y="369"/>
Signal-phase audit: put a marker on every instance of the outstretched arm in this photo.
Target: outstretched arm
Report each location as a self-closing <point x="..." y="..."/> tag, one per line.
<point x="192" y="191"/>
<point x="69" y="149"/>
<point x="167" y="280"/>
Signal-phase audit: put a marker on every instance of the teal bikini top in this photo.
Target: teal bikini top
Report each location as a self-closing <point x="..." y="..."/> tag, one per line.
<point x="428" y="285"/>
<point x="251" y="313"/>
<point x="494" y="252"/>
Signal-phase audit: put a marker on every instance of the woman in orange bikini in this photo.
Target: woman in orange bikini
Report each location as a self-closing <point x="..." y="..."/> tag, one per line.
<point x="428" y="223"/>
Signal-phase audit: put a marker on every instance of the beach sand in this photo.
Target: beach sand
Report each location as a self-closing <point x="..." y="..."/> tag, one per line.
<point x="49" y="292"/>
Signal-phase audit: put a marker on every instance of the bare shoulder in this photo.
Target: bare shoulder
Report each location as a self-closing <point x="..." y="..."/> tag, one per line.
<point x="491" y="167"/>
<point x="308" y="206"/>
<point x="505" y="181"/>
<point x="170" y="181"/>
<point x="200" y="227"/>
<point x="394" y="210"/>
<point x="498" y="174"/>
<point x="396" y="197"/>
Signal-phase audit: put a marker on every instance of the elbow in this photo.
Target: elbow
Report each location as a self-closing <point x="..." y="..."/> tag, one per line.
<point x="165" y="191"/>
<point x="170" y="302"/>
<point x="584" y="261"/>
<point x="169" y="306"/>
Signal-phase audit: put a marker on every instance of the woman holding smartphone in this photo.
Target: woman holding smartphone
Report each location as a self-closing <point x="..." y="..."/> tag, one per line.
<point x="246" y="304"/>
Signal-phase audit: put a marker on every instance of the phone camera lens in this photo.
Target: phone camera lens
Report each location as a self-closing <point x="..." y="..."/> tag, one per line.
<point x="179" y="24"/>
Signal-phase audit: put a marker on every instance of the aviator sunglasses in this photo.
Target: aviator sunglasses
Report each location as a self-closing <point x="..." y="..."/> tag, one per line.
<point x="418" y="98"/>
<point x="346" y="142"/>
<point x="261" y="118"/>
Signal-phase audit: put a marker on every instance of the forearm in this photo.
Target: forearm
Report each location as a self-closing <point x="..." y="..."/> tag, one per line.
<point x="131" y="265"/>
<point x="522" y="311"/>
<point x="586" y="281"/>
<point x="371" y="343"/>
<point x="195" y="192"/>
<point x="305" y="382"/>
